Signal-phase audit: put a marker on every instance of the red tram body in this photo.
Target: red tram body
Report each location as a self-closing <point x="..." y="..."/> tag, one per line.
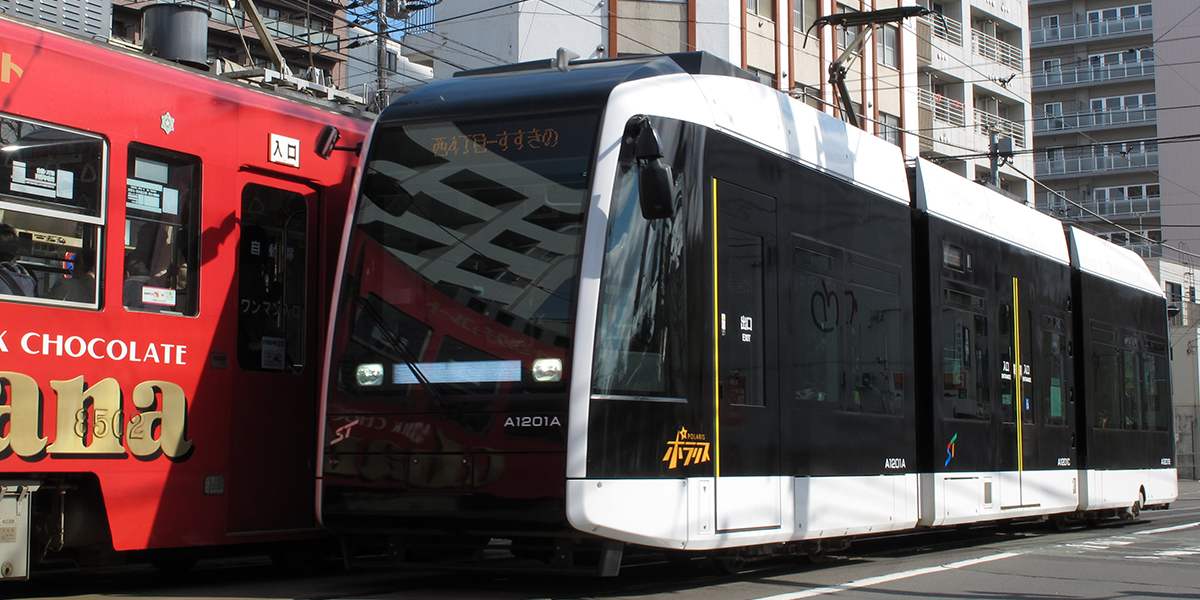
<point x="158" y="387"/>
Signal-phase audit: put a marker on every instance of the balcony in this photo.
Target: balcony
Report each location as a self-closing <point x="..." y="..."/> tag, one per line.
<point x="1084" y="120"/>
<point x="986" y="122"/>
<point x="997" y="50"/>
<point x="1092" y="30"/>
<point x="945" y="29"/>
<point x="946" y="110"/>
<point x="1146" y="206"/>
<point x="290" y="34"/>
<point x="1092" y="164"/>
<point x="1092" y="74"/>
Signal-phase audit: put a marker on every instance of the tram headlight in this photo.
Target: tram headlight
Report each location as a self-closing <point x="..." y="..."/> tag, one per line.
<point x="547" y="369"/>
<point x="369" y="374"/>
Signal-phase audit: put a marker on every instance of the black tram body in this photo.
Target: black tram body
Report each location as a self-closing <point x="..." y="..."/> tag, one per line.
<point x="805" y="340"/>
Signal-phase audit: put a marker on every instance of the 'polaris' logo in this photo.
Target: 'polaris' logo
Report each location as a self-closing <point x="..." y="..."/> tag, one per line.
<point x="532" y="422"/>
<point x="894" y="463"/>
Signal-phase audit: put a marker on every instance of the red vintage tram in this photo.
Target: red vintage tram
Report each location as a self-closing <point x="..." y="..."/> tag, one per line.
<point x="158" y="354"/>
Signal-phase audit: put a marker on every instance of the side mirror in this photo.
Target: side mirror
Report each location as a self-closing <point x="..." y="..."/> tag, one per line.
<point x="656" y="189"/>
<point x="326" y="140"/>
<point x="656" y="192"/>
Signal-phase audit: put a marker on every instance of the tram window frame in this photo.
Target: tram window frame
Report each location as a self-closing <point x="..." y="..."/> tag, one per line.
<point x="1105" y="395"/>
<point x="272" y="331"/>
<point x="57" y="214"/>
<point x="971" y="345"/>
<point x="170" y="260"/>
<point x="1054" y="346"/>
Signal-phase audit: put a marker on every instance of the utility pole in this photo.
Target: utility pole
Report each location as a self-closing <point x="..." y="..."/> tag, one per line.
<point x="381" y="82"/>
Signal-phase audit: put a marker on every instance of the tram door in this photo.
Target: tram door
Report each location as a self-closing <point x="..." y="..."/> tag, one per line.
<point x="747" y="432"/>
<point x="273" y="423"/>
<point x="1018" y="443"/>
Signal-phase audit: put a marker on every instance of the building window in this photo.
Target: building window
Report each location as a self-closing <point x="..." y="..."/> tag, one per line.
<point x="392" y="61"/>
<point x="885" y="46"/>
<point x="762" y="8"/>
<point x="804" y="12"/>
<point x="889" y="128"/>
<point x="845" y="35"/>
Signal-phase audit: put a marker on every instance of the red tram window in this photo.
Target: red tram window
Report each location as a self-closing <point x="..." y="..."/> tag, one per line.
<point x="52" y="209"/>
<point x="162" y="232"/>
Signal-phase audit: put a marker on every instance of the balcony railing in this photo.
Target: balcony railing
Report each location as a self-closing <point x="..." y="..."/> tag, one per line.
<point x="1083" y="31"/>
<point x="986" y="122"/>
<point x="291" y="33"/>
<point x="946" y="29"/>
<point x="946" y="110"/>
<point x="1080" y="120"/>
<point x="1093" y="74"/>
<point x="1128" y="207"/>
<point x="997" y="50"/>
<point x="1090" y="164"/>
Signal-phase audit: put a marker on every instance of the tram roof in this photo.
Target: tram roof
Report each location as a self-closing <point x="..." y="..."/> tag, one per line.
<point x="1101" y="258"/>
<point x="523" y="87"/>
<point x="950" y="196"/>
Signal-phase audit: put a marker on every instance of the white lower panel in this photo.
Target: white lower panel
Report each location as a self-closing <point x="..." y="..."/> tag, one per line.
<point x="747" y="503"/>
<point x="839" y="506"/>
<point x="1120" y="489"/>
<point x="699" y="513"/>
<point x="956" y="498"/>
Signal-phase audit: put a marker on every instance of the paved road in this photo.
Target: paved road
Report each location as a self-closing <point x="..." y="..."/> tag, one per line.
<point x="1156" y="557"/>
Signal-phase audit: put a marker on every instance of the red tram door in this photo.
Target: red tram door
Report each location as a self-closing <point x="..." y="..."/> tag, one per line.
<point x="277" y="283"/>
<point x="747" y="405"/>
<point x="1018" y="442"/>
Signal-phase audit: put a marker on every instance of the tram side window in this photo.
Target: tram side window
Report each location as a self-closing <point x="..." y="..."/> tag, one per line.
<point x="1132" y="389"/>
<point x="162" y="232"/>
<point x="1157" y="387"/>
<point x="1106" y="368"/>
<point x="965" y="376"/>
<point x="1053" y="371"/>
<point x="51" y="212"/>
<point x="846" y="321"/>
<point x="272" y="259"/>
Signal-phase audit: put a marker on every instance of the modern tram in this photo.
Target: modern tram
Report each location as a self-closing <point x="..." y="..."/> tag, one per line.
<point x="650" y="301"/>
<point x="158" y="354"/>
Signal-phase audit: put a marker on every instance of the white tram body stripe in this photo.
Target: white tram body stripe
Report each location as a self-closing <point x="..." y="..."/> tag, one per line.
<point x="950" y="196"/>
<point x="968" y="497"/>
<point x="1103" y="259"/>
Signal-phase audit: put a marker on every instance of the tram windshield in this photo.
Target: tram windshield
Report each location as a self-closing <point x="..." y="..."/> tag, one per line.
<point x="461" y="269"/>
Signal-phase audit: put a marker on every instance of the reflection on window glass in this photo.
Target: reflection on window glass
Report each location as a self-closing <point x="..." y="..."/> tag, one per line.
<point x="1054" y="373"/>
<point x="847" y="311"/>
<point x="641" y="330"/>
<point x="1158" y="391"/>
<point x="1107" y="393"/>
<point x="162" y="232"/>
<point x="965" y="388"/>
<point x="272" y="259"/>
<point x="1132" y="390"/>
<point x="473" y="227"/>
<point x="52" y="183"/>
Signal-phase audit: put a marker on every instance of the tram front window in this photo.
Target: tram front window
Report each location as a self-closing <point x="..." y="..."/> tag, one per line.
<point x="462" y="267"/>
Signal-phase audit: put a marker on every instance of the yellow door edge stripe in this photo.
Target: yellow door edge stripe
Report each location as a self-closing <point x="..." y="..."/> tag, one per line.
<point x="716" y="342"/>
<point x="1018" y="373"/>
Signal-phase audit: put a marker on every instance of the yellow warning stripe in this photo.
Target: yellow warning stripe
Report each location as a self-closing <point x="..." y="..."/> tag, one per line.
<point x="1019" y="372"/>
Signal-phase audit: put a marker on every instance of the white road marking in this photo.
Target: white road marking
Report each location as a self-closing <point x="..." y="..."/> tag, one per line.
<point x="1166" y="529"/>
<point x="870" y="581"/>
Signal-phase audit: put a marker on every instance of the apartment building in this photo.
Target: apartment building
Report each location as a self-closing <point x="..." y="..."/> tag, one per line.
<point x="1096" y="118"/>
<point x="973" y="59"/>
